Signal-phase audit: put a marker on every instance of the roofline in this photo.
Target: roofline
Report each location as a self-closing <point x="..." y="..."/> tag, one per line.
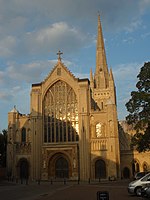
<point x="84" y="80"/>
<point x="36" y="84"/>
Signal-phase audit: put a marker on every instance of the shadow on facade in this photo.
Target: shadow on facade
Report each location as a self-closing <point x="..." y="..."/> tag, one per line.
<point x="38" y="144"/>
<point x="129" y="164"/>
<point x="19" y="146"/>
<point x="52" y="146"/>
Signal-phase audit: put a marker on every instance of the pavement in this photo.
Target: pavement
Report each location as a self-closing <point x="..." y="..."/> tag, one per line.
<point x="32" y="190"/>
<point x="62" y="190"/>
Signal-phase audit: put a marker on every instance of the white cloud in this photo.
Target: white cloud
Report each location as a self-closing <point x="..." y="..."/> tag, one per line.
<point x="29" y="72"/>
<point x="135" y="24"/>
<point x="145" y="35"/>
<point x="129" y="40"/>
<point x="125" y="79"/>
<point x="55" y="36"/>
<point x="116" y="14"/>
<point x="144" y="5"/>
<point x="127" y="72"/>
<point x="6" y="96"/>
<point x="30" y="30"/>
<point x="7" y="46"/>
<point x="1" y="76"/>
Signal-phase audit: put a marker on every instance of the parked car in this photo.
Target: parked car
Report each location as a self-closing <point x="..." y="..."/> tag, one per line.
<point x="139" y="175"/>
<point x="145" y="191"/>
<point x="135" y="186"/>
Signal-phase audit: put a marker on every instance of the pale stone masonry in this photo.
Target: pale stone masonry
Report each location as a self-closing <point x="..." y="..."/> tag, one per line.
<point x="72" y="129"/>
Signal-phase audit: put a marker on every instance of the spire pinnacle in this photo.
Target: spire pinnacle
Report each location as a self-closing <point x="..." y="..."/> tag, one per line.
<point x="91" y="75"/>
<point x="101" y="55"/>
<point x="101" y="73"/>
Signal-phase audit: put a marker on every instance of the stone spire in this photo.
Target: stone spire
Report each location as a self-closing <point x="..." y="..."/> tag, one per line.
<point x="101" y="72"/>
<point x="111" y="75"/>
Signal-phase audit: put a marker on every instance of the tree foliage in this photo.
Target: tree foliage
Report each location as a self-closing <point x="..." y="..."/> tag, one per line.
<point x="3" y="147"/>
<point x="139" y="110"/>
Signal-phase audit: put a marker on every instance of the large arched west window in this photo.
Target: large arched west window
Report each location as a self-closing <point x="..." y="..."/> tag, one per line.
<point x="60" y="114"/>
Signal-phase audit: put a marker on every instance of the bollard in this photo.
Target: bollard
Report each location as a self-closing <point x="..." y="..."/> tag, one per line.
<point x="89" y="180"/>
<point x="26" y="181"/>
<point x="51" y="181"/>
<point x="64" y="181"/>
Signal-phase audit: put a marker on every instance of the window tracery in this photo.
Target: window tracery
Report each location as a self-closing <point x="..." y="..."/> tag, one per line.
<point x="100" y="130"/>
<point x="60" y="114"/>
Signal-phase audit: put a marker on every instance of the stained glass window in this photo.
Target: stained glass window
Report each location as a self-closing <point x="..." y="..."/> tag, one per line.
<point x="60" y="114"/>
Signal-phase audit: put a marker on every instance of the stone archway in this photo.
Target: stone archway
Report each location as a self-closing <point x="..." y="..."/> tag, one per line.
<point x="23" y="168"/>
<point x="126" y="173"/>
<point x="135" y="167"/>
<point x="100" y="169"/>
<point x="59" y="166"/>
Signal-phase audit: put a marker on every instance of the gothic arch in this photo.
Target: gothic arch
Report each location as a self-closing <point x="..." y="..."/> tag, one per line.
<point x="23" y="168"/>
<point x="145" y="167"/>
<point x="100" y="129"/>
<point x="126" y="173"/>
<point x="23" y="135"/>
<point x="60" y="109"/>
<point x="100" y="169"/>
<point x="59" y="166"/>
<point x="135" y="167"/>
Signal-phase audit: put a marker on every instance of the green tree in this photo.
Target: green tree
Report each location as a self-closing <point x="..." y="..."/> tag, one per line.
<point x="3" y="148"/>
<point x="139" y="110"/>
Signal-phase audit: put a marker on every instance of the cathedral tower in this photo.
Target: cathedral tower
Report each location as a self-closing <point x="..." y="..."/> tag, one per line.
<point x="104" y="127"/>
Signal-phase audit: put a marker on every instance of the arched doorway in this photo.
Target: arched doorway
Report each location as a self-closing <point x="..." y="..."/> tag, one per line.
<point x="135" y="167"/>
<point x="145" y="167"/>
<point x="24" y="169"/>
<point x="100" y="169"/>
<point x="61" y="168"/>
<point x="126" y="173"/>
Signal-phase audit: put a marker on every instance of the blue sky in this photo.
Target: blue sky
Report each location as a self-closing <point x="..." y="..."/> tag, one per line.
<point x="31" y="33"/>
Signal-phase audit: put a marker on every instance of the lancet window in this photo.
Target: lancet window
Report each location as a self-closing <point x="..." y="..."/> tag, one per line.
<point x="23" y="135"/>
<point x="60" y="114"/>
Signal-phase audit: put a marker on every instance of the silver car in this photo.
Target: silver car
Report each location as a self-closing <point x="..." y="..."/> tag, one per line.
<point x="135" y="186"/>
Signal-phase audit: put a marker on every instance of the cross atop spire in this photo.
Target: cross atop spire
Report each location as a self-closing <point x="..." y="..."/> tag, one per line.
<point x="59" y="55"/>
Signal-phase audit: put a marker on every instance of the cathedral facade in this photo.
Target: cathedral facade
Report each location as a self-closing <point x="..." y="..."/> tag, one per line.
<point x="72" y="129"/>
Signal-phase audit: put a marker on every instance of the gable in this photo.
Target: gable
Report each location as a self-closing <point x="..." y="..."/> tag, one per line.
<point x="59" y="72"/>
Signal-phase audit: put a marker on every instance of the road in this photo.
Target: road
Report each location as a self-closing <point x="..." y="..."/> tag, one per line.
<point x="60" y="191"/>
